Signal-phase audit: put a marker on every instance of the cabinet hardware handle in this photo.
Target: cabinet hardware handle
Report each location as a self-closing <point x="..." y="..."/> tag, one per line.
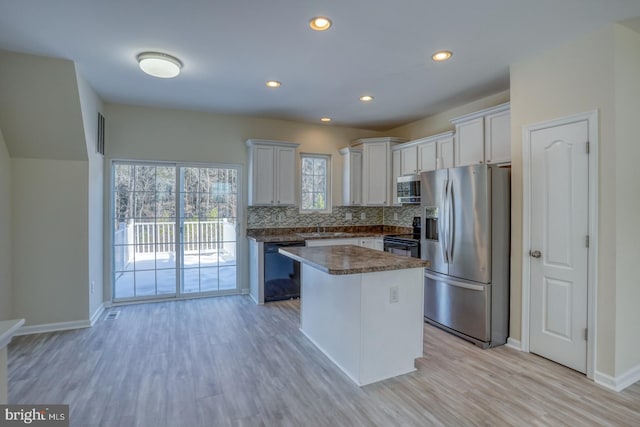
<point x="535" y="254"/>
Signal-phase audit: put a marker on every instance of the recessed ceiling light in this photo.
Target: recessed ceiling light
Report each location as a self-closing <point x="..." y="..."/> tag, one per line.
<point x="320" y="23"/>
<point x="441" y="55"/>
<point x="366" y="98"/>
<point x="325" y="119"/>
<point x="160" y="65"/>
<point x="273" y="83"/>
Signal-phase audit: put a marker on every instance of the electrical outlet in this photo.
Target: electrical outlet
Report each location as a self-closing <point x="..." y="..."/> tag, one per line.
<point x="395" y="216"/>
<point x="348" y="216"/>
<point x="280" y="217"/>
<point x="393" y="295"/>
<point x="363" y="215"/>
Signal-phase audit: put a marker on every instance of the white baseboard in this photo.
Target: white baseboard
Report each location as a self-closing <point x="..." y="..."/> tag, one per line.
<point x="514" y="344"/>
<point x="97" y="314"/>
<point x="53" y="327"/>
<point x="620" y="382"/>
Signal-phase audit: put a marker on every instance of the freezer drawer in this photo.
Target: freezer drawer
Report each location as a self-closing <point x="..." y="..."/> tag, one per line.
<point x="462" y="306"/>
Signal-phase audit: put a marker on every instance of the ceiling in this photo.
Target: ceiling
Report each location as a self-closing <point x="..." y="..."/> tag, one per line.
<point x="230" y="48"/>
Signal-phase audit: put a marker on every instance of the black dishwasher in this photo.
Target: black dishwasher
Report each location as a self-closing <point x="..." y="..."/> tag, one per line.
<point x="281" y="273"/>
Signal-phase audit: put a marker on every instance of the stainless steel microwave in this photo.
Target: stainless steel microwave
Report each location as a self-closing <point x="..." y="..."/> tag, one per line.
<point x="408" y="187"/>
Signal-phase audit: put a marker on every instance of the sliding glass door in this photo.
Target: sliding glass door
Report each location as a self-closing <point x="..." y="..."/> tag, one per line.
<point x="169" y="243"/>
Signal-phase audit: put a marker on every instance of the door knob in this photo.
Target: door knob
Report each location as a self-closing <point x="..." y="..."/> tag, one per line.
<point x="535" y="254"/>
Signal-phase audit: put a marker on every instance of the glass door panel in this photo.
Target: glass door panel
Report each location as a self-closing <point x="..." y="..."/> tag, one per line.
<point x="208" y="228"/>
<point x="144" y="231"/>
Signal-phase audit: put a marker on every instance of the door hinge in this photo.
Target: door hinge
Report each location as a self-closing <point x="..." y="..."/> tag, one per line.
<point x="587" y="241"/>
<point x="586" y="334"/>
<point x="588" y="147"/>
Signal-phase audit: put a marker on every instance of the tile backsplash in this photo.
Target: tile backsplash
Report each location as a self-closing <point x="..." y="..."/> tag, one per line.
<point x="401" y="216"/>
<point x="290" y="216"/>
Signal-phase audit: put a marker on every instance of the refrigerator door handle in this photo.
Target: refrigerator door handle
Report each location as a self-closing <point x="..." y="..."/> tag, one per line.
<point x="450" y="223"/>
<point x="448" y="281"/>
<point x="442" y="221"/>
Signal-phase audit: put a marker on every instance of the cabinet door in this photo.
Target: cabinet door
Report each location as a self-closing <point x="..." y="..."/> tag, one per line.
<point x="445" y="153"/>
<point x="469" y="142"/>
<point x="355" y="178"/>
<point x="395" y="173"/>
<point x="263" y="188"/>
<point x="375" y="185"/>
<point x="285" y="176"/>
<point x="498" y="137"/>
<point x="427" y="156"/>
<point x="409" y="160"/>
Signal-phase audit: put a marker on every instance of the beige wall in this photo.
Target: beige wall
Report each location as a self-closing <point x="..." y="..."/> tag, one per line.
<point x="6" y="286"/>
<point x="627" y="196"/>
<point x="39" y="102"/>
<point x="441" y="122"/>
<point x="91" y="104"/>
<point x="173" y="135"/>
<point x="573" y="78"/>
<point x="50" y="262"/>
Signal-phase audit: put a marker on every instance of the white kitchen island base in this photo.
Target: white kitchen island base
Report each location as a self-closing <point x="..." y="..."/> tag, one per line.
<point x="369" y="324"/>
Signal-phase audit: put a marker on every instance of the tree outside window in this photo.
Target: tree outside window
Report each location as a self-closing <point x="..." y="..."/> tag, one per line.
<point x="316" y="183"/>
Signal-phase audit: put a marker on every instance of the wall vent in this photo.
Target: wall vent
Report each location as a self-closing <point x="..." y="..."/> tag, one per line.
<point x="100" y="141"/>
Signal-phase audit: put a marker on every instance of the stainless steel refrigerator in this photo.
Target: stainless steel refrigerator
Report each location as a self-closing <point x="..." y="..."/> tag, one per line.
<point x="465" y="234"/>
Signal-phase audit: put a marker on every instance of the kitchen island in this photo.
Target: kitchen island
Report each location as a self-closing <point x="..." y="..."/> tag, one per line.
<point x="362" y="308"/>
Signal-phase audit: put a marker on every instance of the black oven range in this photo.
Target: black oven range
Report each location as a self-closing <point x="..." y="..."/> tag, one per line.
<point x="405" y="244"/>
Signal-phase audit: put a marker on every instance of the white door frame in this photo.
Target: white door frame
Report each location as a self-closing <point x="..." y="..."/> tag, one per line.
<point x="592" y="281"/>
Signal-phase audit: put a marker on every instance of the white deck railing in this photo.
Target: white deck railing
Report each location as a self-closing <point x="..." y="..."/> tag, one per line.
<point x="157" y="237"/>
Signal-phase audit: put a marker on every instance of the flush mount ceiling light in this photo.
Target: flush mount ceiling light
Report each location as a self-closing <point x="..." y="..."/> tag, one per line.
<point x="273" y="83"/>
<point x="160" y="65"/>
<point x="441" y="55"/>
<point x="320" y="23"/>
<point x="366" y="98"/>
<point x="325" y="119"/>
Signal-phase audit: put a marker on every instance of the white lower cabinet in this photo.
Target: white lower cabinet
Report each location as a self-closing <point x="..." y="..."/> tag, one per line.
<point x="372" y="243"/>
<point x="256" y="271"/>
<point x="366" y="242"/>
<point x="332" y="242"/>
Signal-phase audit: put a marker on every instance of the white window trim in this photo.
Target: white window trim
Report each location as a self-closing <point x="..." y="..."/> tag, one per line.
<point x="329" y="205"/>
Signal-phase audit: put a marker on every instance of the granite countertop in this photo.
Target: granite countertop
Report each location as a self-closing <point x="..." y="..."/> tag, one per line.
<point x="350" y="259"/>
<point x="296" y="237"/>
<point x="293" y="234"/>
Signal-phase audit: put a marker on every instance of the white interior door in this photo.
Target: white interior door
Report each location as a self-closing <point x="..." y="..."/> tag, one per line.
<point x="559" y="251"/>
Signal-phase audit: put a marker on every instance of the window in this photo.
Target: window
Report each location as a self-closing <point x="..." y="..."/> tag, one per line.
<point x="316" y="183"/>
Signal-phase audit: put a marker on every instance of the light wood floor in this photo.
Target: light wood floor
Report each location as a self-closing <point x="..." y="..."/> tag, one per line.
<point x="225" y="361"/>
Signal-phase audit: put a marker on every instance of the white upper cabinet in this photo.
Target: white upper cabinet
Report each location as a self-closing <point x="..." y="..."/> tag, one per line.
<point x="427" y="158"/>
<point x="483" y="136"/>
<point x="425" y="154"/>
<point x="497" y="136"/>
<point x="469" y="142"/>
<point x="351" y="176"/>
<point x="272" y="167"/>
<point x="445" y="151"/>
<point x="409" y="160"/>
<point x="396" y="172"/>
<point x="377" y="173"/>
